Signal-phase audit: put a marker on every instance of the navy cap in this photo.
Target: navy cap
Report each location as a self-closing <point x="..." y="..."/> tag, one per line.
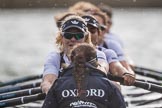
<point x="91" y="21"/>
<point x="74" y="23"/>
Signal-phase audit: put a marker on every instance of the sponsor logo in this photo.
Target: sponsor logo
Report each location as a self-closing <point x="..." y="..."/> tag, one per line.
<point x="80" y="103"/>
<point x="74" y="22"/>
<point x="86" y="19"/>
<point x="90" y="92"/>
<point x="94" y="21"/>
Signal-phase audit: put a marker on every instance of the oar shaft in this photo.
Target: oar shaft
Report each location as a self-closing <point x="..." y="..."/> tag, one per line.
<point x="146" y="70"/>
<point x="151" y="75"/>
<point x="144" y="85"/>
<point x="137" y="101"/>
<point x="149" y="101"/>
<point x="20" y="80"/>
<point x="22" y="87"/>
<point x="139" y="94"/>
<point x="153" y="82"/>
<point x="20" y="93"/>
<point x="22" y="100"/>
<point x="148" y="86"/>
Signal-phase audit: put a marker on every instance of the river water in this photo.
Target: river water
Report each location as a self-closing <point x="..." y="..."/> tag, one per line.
<point x="27" y="36"/>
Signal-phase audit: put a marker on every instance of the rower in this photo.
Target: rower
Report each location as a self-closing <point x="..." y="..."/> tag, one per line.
<point x="115" y="66"/>
<point x="82" y="85"/>
<point x="109" y="35"/>
<point x="73" y="31"/>
<point x="103" y="21"/>
<point x="111" y="44"/>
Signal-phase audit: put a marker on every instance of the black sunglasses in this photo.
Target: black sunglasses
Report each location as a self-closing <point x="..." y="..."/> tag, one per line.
<point x="93" y="30"/>
<point x="70" y="35"/>
<point x="102" y="27"/>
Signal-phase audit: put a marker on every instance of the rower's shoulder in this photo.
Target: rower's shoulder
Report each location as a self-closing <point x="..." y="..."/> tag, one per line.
<point x="54" y="53"/>
<point x="112" y="36"/>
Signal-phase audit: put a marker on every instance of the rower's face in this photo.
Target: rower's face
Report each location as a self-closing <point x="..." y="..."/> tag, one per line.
<point x="109" y="23"/>
<point x="100" y="21"/>
<point x="69" y="43"/>
<point x="94" y="34"/>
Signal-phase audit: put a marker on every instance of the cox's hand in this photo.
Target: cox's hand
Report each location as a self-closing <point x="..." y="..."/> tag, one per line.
<point x="129" y="79"/>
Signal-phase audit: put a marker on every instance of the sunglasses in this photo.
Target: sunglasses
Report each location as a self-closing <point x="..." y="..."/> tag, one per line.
<point x="102" y="27"/>
<point x="70" y="35"/>
<point x="93" y="30"/>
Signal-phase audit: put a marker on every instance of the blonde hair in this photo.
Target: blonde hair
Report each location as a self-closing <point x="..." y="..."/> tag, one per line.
<point x="106" y="9"/>
<point x="60" y="17"/>
<point x="102" y="15"/>
<point x="59" y="37"/>
<point x="84" y="6"/>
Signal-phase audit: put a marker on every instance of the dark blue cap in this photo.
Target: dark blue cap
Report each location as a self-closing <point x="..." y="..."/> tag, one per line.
<point x="91" y="21"/>
<point x="74" y="23"/>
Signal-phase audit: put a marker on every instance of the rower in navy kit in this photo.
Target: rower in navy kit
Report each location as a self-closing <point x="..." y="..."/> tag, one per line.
<point x="82" y="85"/>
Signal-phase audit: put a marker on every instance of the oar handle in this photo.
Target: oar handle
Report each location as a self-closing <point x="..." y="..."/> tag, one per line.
<point x="22" y="100"/>
<point x="115" y="78"/>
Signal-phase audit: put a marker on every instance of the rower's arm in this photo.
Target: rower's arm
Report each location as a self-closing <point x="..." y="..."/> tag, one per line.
<point x="47" y="82"/>
<point x="103" y="66"/>
<point x="127" y="66"/>
<point x="117" y="69"/>
<point x="51" y="71"/>
<point x="102" y="61"/>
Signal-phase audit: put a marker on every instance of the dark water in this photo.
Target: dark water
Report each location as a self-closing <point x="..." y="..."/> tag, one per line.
<point x="26" y="37"/>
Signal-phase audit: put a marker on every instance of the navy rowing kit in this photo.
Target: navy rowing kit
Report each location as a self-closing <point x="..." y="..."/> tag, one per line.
<point x="98" y="92"/>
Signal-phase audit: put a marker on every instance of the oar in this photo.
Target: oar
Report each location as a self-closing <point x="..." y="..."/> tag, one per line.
<point x="137" y="101"/>
<point x="149" y="101"/>
<point x="153" y="82"/>
<point x="148" y="74"/>
<point x="143" y="69"/>
<point x="139" y="94"/>
<point x="20" y="80"/>
<point x="140" y="84"/>
<point x="22" y="100"/>
<point x="148" y="86"/>
<point x="21" y="87"/>
<point x="20" y="93"/>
